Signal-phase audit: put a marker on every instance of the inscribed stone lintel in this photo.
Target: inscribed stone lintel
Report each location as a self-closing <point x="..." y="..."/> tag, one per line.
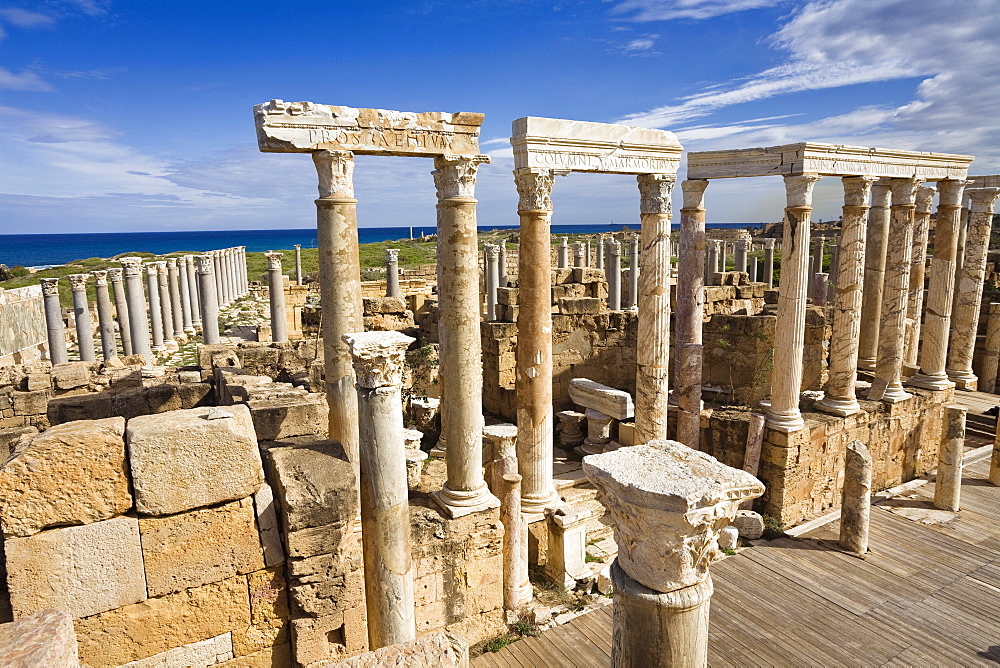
<point x="827" y="160"/>
<point x="302" y="127"/>
<point x="581" y="146"/>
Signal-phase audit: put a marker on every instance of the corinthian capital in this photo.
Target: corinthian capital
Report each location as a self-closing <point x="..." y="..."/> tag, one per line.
<point x="78" y="282"/>
<point x="336" y="173"/>
<point x="50" y="286"/>
<point x="455" y="175"/>
<point x="654" y="191"/>
<point x="925" y="200"/>
<point x="392" y="255"/>
<point x="535" y="188"/>
<point x="379" y="358"/>
<point x="694" y="193"/>
<point x="951" y="192"/>
<point x="115" y="275"/>
<point x="983" y="199"/>
<point x="904" y="191"/>
<point x="206" y="264"/>
<point x="799" y="189"/>
<point x="273" y="260"/>
<point x="131" y="265"/>
<point x="100" y="276"/>
<point x="858" y="190"/>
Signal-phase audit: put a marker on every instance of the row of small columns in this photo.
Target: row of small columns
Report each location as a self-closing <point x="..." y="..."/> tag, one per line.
<point x="715" y="260"/>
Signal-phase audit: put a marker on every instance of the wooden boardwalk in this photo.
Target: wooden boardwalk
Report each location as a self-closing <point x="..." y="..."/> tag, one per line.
<point x="928" y="594"/>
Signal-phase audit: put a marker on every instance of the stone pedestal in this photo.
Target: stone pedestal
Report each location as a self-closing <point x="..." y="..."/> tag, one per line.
<point x="566" y="558"/>
<point x="563" y="257"/>
<point x="517" y="591"/>
<point x="598" y="433"/>
<point x="579" y="257"/>
<point x="137" y="318"/>
<point x="918" y="265"/>
<point x="276" y="294"/>
<point x="54" y="325"/>
<point x="492" y="280"/>
<point x="690" y="312"/>
<point x="570" y="428"/>
<point x="298" y="263"/>
<point x="769" y="262"/>
<point x="855" y="506"/>
<point x="614" y="274"/>
<point x="632" y="302"/>
<point x="208" y="297"/>
<point x="392" y="273"/>
<point x="379" y="358"/>
<point x="121" y="308"/>
<point x="105" y="315"/>
<point x="81" y="312"/>
<point x="875" y="250"/>
<point x="948" y="483"/>
<point x="991" y="354"/>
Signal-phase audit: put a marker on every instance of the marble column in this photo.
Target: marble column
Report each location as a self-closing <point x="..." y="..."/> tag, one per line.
<point x="209" y="299"/>
<point x="492" y="280"/>
<point x="461" y="364"/>
<point x="875" y="249"/>
<point x="533" y="380"/>
<point x="138" y="320"/>
<point x="392" y="273"/>
<point x="105" y="315"/>
<point x="614" y="272"/>
<point x="741" y="255"/>
<point x="690" y="312"/>
<point x="517" y="590"/>
<point x="155" y="311"/>
<point x="842" y="377"/>
<point x="166" y="308"/>
<point x="563" y="261"/>
<point x="969" y="288"/>
<point x="298" y="263"/>
<point x="888" y="382"/>
<point x="81" y="311"/>
<point x="187" y="321"/>
<point x="831" y="293"/>
<point x="340" y="290"/>
<point x="769" y="262"/>
<point x="379" y="360"/>
<point x="711" y="261"/>
<point x="754" y="269"/>
<point x="54" y="325"/>
<point x="121" y="308"/>
<point x="243" y="269"/>
<point x="502" y="263"/>
<point x="220" y="297"/>
<point x="578" y="254"/>
<point x="176" y="310"/>
<point x="856" y="498"/>
<point x="653" y="290"/>
<point x="227" y="275"/>
<point x="634" y="271"/>
<point x="276" y="295"/>
<point x="933" y="352"/>
<point x="599" y="251"/>
<point x="918" y="264"/>
<point x="586" y="253"/>
<point x="789" y="332"/>
<point x="948" y="482"/>
<point x="194" y="295"/>
<point x="668" y="503"/>
<point x="991" y="354"/>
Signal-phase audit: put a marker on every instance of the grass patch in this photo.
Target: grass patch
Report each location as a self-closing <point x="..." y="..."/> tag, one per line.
<point x="773" y="528"/>
<point x="728" y="551"/>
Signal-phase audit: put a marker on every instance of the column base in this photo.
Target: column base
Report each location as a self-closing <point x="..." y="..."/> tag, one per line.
<point x="931" y="382"/>
<point x="190" y="331"/>
<point x="867" y="364"/>
<point x="459" y="503"/>
<point x="894" y="395"/>
<point x="964" y="379"/>
<point x="439" y="449"/>
<point x="533" y="509"/>
<point x="841" y="407"/>
<point x="590" y="447"/>
<point x="785" y="422"/>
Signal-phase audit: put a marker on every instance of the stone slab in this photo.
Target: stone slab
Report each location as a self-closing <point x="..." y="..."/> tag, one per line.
<point x="590" y="394"/>
<point x="181" y="460"/>
<point x="267" y="525"/>
<point x="207" y="652"/>
<point x="268" y="613"/>
<point x="282" y="417"/>
<point x="445" y="650"/>
<point x="83" y="570"/>
<point x="45" y="638"/>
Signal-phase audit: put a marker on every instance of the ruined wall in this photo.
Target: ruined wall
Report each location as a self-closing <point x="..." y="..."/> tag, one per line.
<point x="23" y="335"/>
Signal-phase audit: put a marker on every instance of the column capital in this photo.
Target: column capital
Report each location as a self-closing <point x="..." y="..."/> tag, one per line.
<point x="131" y="265"/>
<point x="669" y="502"/>
<point x="78" y="282"/>
<point x="392" y="255"/>
<point x="206" y="263"/>
<point x="654" y="192"/>
<point x="952" y="191"/>
<point x="379" y="358"/>
<point x="614" y="246"/>
<point x="273" y="260"/>
<point x="694" y="193"/>
<point x="161" y="266"/>
<point x="769" y="244"/>
<point x="335" y="170"/>
<point x="455" y="175"/>
<point x="579" y="248"/>
<point x="115" y="274"/>
<point x="983" y="199"/>
<point x="534" y="186"/>
<point x="491" y="250"/>
<point x="925" y="199"/>
<point x="858" y="190"/>
<point x="741" y="244"/>
<point x="799" y="189"/>
<point x="904" y="191"/>
<point x="50" y="286"/>
<point x="100" y="276"/>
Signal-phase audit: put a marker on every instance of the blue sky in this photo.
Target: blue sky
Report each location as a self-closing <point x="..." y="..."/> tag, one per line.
<point x="135" y="115"/>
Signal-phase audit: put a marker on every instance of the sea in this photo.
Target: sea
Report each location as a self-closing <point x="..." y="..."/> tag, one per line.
<point x="47" y="250"/>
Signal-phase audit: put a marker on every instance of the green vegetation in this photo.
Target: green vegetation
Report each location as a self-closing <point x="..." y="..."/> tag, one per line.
<point x="518" y="630"/>
<point x="728" y="551"/>
<point x="773" y="528"/>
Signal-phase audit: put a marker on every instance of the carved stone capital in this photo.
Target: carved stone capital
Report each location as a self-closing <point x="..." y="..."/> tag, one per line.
<point x="654" y="192"/>
<point x="799" y="190"/>
<point x="379" y="358"/>
<point x="951" y="191"/>
<point x="669" y="503"/>
<point x="78" y="282"/>
<point x="614" y="247"/>
<point x="335" y="170"/>
<point x="206" y="263"/>
<point x="858" y="190"/>
<point x="131" y="265"/>
<point x="50" y="286"/>
<point x="392" y="255"/>
<point x="769" y="243"/>
<point x="579" y="248"/>
<point x="115" y="275"/>
<point x="534" y="186"/>
<point x="151" y="269"/>
<point x="694" y="193"/>
<point x="273" y="260"/>
<point x="100" y="276"/>
<point x="455" y="175"/>
<point x="925" y="200"/>
<point x="491" y="250"/>
<point x="982" y="199"/>
<point x="161" y="267"/>
<point x="904" y="191"/>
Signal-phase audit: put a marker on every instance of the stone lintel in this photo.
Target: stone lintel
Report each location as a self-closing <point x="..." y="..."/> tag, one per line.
<point x="826" y="160"/>
<point x="582" y="146"/>
<point x="984" y="181"/>
<point x="590" y="394"/>
<point x="303" y="127"/>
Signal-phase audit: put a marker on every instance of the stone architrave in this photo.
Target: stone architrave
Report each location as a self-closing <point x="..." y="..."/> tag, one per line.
<point x="840" y="398"/>
<point x="991" y="351"/>
<point x="54" y="325"/>
<point x="81" y="310"/>
<point x="613" y="253"/>
<point x="276" y="293"/>
<point x="918" y="265"/>
<point x="392" y="273"/>
<point x="379" y="360"/>
<point x="562" y="262"/>
<point x="116" y="275"/>
<point x="948" y="483"/>
<point x="208" y="299"/>
<point x="105" y="315"/>
<point x="176" y="311"/>
<point x="769" y="262"/>
<point x="690" y="312"/>
<point x="888" y="383"/>
<point x="187" y="319"/>
<point x="668" y="503"/>
<point x="875" y="254"/>
<point x="492" y="280"/>
<point x="137" y="318"/>
<point x="166" y="308"/>
<point x="298" y="264"/>
<point x="855" y="507"/>
<point x="191" y="268"/>
<point x="969" y="288"/>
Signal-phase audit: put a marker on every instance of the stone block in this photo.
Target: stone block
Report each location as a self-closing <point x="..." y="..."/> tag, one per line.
<point x="279" y="656"/>
<point x="444" y="650"/>
<point x="156" y="625"/>
<point x="194" y="395"/>
<point x="200" y="546"/>
<point x="183" y="459"/>
<point x="588" y="275"/>
<point x="579" y="305"/>
<point x="749" y="524"/>
<point x="73" y="473"/>
<point x="267" y="525"/>
<point x="83" y="570"/>
<point x="283" y="417"/>
<point x="319" y="640"/>
<point x="31" y="403"/>
<point x="589" y="394"/>
<point x="163" y="398"/>
<point x="729" y="538"/>
<point x="45" y="638"/>
<point x="380" y="305"/>
<point x="560" y="276"/>
<point x="328" y="583"/>
<point x="37" y="381"/>
<point x="71" y="375"/>
<point x="13" y="439"/>
<point x="208" y="652"/>
<point x="507" y="296"/>
<point x="80" y="407"/>
<point x="268" y="613"/>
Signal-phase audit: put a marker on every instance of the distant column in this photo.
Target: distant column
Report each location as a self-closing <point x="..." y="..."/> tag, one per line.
<point x="754" y="269"/>
<point x="741" y="255"/>
<point x="276" y="288"/>
<point x="298" y="264"/>
<point x="711" y="261"/>
<point x="227" y="275"/>
<point x="121" y="308"/>
<point x="81" y="310"/>
<point x="166" y="307"/>
<point x="918" y="265"/>
<point x="614" y="272"/>
<point x="769" y="262"/>
<point x="563" y="253"/>
<point x="601" y="241"/>
<point x="220" y="297"/>
<point x="633" y="272"/>
<point x="492" y="280"/>
<point x="392" y="273"/>
<point x="105" y="315"/>
<point x="209" y="299"/>
<point x="991" y="355"/>
<point x="586" y="253"/>
<point x="176" y="304"/>
<point x="54" y="325"/>
<point x="193" y="296"/>
<point x="875" y="249"/>
<point x="187" y="321"/>
<point x="502" y="262"/>
<point x="690" y="312"/>
<point x="138" y="320"/>
<point x="578" y="254"/>
<point x="155" y="312"/>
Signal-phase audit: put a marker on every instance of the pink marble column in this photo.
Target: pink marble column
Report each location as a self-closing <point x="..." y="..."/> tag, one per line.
<point x="875" y="249"/>
<point x="918" y="265"/>
<point x="690" y="312"/>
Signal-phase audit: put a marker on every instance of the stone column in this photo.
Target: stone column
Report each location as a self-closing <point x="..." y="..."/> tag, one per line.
<point x="769" y="262"/>
<point x="229" y="282"/>
<point x="789" y="332"/>
<point x="461" y="364"/>
<point x="502" y="263"/>
<point x="379" y="358"/>
<point x="599" y="251"/>
<point x="991" y="355"/>
<point x="187" y="321"/>
<point x="492" y="280"/>
<point x="166" y="308"/>
<point x="668" y="504"/>
<point x="690" y="312"/>
<point x="340" y="289"/>
<point x="276" y="294"/>
<point x="243" y="269"/>
<point x="194" y="296"/>
<point x="614" y="275"/>
<point x="754" y="269"/>
<point x="81" y="311"/>
<point x="937" y="317"/>
<point x="969" y="288"/>
<point x="563" y="259"/>
<point x="234" y="273"/>
<point x="918" y="265"/>
<point x="948" y="483"/>
<point x="842" y="379"/>
<point x="888" y="383"/>
<point x="578" y="254"/>
<point x="652" y="287"/>
<point x="831" y="293"/>
<point x="155" y="311"/>
<point x="105" y="315"/>
<point x="121" y="308"/>
<point x="392" y="273"/>
<point x="856" y="504"/>
<point x="54" y="325"/>
<point x="138" y="320"/>
<point x="533" y="379"/>
<point x="875" y="249"/>
<point x="741" y="255"/>
<point x="517" y="591"/>
<point x="220" y="297"/>
<point x="173" y="279"/>
<point x="586" y="253"/>
<point x="632" y="302"/>
<point x="298" y="264"/>
<point x="711" y="261"/>
<point x="209" y="299"/>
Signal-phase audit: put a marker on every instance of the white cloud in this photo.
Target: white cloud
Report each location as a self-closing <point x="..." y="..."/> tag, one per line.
<point x="666" y="10"/>
<point x="24" y="80"/>
<point x="24" y="18"/>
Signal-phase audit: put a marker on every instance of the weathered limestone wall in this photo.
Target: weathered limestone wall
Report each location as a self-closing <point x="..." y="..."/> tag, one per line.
<point x="22" y="325"/>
